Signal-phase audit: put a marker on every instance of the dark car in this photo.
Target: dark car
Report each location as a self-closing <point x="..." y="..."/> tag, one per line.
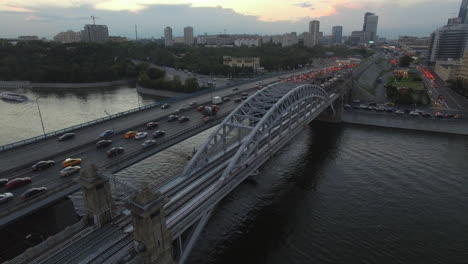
<point x="183" y="119"/>
<point x="237" y="100"/>
<point x="103" y="143"/>
<point x="17" y="182"/>
<point x="407" y="111"/>
<point x="172" y="118"/>
<point x="226" y="99"/>
<point x="33" y="192"/>
<point x="66" y="136"/>
<point x="372" y="104"/>
<point x="158" y="133"/>
<point x="114" y="151"/>
<point x="152" y="125"/>
<point x="235" y="89"/>
<point x="244" y="94"/>
<point x="44" y="164"/>
<point x="164" y="106"/>
<point x="106" y="134"/>
<point x="448" y="116"/>
<point x="243" y="97"/>
<point x="3" y="182"/>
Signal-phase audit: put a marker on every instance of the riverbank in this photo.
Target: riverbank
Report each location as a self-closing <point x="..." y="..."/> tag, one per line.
<point x="449" y="126"/>
<point x="32" y="85"/>
<point x="157" y="92"/>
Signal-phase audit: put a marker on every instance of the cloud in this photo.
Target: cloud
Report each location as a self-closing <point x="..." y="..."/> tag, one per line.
<point x="15" y="9"/>
<point x="304" y="5"/>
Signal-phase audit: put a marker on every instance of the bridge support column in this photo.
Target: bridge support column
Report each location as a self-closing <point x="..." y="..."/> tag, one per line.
<point x="153" y="241"/>
<point x="98" y="195"/>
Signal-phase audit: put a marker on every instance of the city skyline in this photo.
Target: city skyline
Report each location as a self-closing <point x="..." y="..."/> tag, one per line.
<point x="41" y="17"/>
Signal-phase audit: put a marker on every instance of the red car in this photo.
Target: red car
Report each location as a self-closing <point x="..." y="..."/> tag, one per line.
<point x="200" y="108"/>
<point x="152" y="125"/>
<point x="17" y="182"/>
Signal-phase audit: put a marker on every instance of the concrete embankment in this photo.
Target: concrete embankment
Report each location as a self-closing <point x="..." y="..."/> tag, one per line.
<point x="156" y="92"/>
<point x="450" y="126"/>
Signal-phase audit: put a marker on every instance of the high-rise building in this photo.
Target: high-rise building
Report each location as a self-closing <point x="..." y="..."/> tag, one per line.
<point x="289" y="39"/>
<point x="95" y="33"/>
<point x="370" y="25"/>
<point x="463" y="13"/>
<point x="168" y="40"/>
<point x="448" y="42"/>
<point x="68" y="37"/>
<point x="314" y="28"/>
<point x="337" y="33"/>
<point x="188" y="35"/>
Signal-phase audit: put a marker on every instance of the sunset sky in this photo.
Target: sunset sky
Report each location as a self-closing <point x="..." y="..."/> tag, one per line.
<point x="48" y="17"/>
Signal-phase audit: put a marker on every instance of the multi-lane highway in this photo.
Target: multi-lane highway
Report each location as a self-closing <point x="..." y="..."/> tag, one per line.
<point x="17" y="162"/>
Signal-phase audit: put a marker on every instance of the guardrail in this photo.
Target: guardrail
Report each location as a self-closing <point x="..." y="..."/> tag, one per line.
<point x="145" y="107"/>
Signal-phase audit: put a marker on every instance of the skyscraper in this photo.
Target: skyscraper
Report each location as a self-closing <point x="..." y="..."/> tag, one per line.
<point x="188" y="36"/>
<point x="168" y="41"/>
<point x="314" y="28"/>
<point x="95" y="33"/>
<point x="448" y="42"/>
<point x="370" y="25"/>
<point x="337" y="33"/>
<point x="463" y="14"/>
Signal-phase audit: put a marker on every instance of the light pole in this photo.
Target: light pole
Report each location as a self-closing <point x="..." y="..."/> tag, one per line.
<point x="40" y="115"/>
<point x="138" y="98"/>
<point x="112" y="120"/>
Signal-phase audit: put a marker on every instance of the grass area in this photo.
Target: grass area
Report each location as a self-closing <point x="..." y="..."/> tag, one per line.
<point x="413" y="82"/>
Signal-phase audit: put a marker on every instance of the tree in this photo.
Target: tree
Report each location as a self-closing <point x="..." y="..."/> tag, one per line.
<point x="191" y="85"/>
<point x="405" y="61"/>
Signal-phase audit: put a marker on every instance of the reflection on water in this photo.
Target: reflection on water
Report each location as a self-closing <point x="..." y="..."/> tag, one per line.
<point x="63" y="108"/>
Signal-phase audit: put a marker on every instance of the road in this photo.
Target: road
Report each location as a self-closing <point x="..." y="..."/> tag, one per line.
<point x="453" y="100"/>
<point x="17" y="162"/>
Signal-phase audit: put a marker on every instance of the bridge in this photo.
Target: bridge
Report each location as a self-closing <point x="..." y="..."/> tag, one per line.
<point x="16" y="159"/>
<point x="163" y="221"/>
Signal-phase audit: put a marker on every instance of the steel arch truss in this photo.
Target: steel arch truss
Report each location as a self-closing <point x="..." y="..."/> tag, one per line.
<point x="247" y="125"/>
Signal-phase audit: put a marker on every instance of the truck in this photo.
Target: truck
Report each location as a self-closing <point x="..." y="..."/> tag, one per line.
<point x="216" y="100"/>
<point x="210" y="110"/>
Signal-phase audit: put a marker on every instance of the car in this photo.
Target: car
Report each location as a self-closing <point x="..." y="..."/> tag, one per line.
<point x="148" y="143"/>
<point x="17" y="182"/>
<point x="183" y="119"/>
<point x="69" y="170"/>
<point x="178" y="111"/>
<point x="399" y="112"/>
<point x="390" y="104"/>
<point x="165" y="106"/>
<point x="66" y="136"/>
<point x="207" y="119"/>
<point x="457" y="116"/>
<point x="152" y="125"/>
<point x="244" y="94"/>
<point x="226" y="99"/>
<point x="235" y="89"/>
<point x="6" y="197"/>
<point x="130" y="134"/>
<point x="172" y="118"/>
<point x="407" y="111"/>
<point x="3" y="182"/>
<point x="237" y="100"/>
<point x="103" y="143"/>
<point x="44" y="164"/>
<point x="158" y="133"/>
<point x="71" y="162"/>
<point x="200" y="108"/>
<point x="33" y="192"/>
<point x="347" y="106"/>
<point x="448" y="116"/>
<point x="380" y="109"/>
<point x="140" y="135"/>
<point x="426" y="114"/>
<point x="193" y="103"/>
<point x="106" y="134"/>
<point x="439" y="115"/>
<point x="373" y="104"/>
<point x="414" y="113"/>
<point x="243" y="97"/>
<point x="114" y="151"/>
<point x="357" y="101"/>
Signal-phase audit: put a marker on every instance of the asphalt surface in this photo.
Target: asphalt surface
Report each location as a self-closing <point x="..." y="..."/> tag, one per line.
<point x="17" y="162"/>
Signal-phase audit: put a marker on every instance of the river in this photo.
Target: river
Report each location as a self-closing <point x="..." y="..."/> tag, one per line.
<point x="335" y="194"/>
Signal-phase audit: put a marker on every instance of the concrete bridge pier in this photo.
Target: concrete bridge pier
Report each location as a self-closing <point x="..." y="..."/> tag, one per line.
<point x="98" y="195"/>
<point x="153" y="241"/>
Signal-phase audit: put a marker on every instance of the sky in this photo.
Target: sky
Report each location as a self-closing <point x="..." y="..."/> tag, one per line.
<point x="45" y="18"/>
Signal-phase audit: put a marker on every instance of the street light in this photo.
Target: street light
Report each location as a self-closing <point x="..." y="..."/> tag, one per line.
<point x="40" y="115"/>
<point x="112" y="120"/>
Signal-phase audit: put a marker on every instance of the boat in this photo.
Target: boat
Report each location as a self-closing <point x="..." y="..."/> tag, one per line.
<point x="13" y="97"/>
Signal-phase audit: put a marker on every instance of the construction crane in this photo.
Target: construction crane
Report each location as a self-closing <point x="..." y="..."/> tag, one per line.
<point x="94" y="18"/>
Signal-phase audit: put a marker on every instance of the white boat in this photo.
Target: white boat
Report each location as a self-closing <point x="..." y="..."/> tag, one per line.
<point x="13" y="97"/>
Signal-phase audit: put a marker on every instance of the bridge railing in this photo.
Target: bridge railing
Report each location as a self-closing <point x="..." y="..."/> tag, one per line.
<point x="145" y="107"/>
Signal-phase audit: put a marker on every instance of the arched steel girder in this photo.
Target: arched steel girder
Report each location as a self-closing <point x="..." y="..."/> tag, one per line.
<point x="251" y="117"/>
<point x="294" y="98"/>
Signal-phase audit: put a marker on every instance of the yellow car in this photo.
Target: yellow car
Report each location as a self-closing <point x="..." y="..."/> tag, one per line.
<point x="71" y="162"/>
<point x="130" y="134"/>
